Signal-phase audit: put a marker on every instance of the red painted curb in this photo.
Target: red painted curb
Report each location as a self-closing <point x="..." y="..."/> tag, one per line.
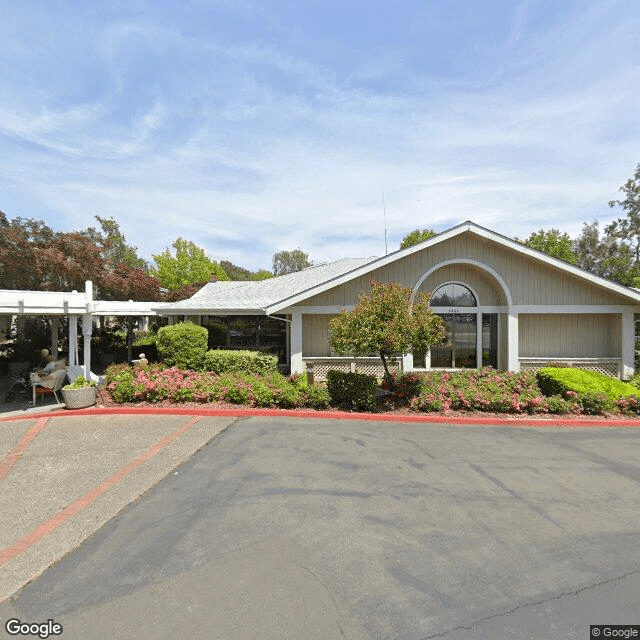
<point x="14" y="455"/>
<point x="340" y="415"/>
<point x="71" y="509"/>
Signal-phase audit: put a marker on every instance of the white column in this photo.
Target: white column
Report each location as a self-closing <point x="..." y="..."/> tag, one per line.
<point x="512" y="337"/>
<point x="55" y="327"/>
<point x="407" y="362"/>
<point x="478" y="339"/>
<point x="296" y="343"/>
<point x="87" y="327"/>
<point x="287" y="340"/>
<point x="628" y="345"/>
<point x="73" y="340"/>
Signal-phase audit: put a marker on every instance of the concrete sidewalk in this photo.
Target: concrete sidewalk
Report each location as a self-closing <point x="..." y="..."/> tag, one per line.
<point x="63" y="476"/>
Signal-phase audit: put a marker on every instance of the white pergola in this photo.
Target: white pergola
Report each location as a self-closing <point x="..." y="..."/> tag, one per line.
<point x="74" y="304"/>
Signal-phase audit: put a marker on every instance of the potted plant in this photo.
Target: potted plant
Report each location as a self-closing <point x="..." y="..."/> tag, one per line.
<point x="80" y="393"/>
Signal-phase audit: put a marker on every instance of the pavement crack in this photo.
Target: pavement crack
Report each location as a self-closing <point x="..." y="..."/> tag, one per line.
<point x="326" y="588"/>
<point x="508" y="612"/>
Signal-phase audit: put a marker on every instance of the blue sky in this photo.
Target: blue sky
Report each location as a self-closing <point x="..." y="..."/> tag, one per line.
<point x="250" y="127"/>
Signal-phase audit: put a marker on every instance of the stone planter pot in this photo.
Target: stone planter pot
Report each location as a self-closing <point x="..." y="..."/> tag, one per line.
<point x="79" y="398"/>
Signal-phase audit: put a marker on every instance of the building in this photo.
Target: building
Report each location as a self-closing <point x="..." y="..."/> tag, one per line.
<point x="504" y="305"/>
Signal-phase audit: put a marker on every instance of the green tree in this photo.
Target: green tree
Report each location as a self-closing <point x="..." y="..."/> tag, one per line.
<point x="627" y="229"/>
<point x="240" y="273"/>
<point x="385" y="321"/>
<point x="261" y="274"/>
<point x="604" y="255"/>
<point x="114" y="244"/>
<point x="189" y="264"/>
<point x="33" y="256"/>
<point x="290" y="261"/>
<point x="553" y="243"/>
<point x="416" y="237"/>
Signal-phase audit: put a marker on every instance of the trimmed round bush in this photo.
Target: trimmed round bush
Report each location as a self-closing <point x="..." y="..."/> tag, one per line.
<point x="182" y="345"/>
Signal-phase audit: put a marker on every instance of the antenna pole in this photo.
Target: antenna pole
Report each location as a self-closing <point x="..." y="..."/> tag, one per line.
<point x="384" y="214"/>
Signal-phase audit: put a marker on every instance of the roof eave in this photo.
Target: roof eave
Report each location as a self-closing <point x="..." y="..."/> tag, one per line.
<point x="446" y="235"/>
<point x="208" y="311"/>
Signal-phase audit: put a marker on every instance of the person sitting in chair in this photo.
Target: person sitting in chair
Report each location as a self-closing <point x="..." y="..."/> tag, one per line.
<point x="48" y="368"/>
<point x="46" y="372"/>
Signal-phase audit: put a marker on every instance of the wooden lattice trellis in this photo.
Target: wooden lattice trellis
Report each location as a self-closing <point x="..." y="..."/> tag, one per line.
<point x="370" y="366"/>
<point x="608" y="367"/>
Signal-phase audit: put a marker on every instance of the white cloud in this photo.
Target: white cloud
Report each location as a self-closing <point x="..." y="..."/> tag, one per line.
<point x="248" y="145"/>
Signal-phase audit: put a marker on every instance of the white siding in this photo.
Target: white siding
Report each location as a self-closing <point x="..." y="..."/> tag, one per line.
<point x="530" y="281"/>
<point x="315" y="336"/>
<point x="570" y="336"/>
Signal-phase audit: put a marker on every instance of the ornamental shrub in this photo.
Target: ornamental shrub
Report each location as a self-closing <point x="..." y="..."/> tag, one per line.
<point x="116" y="372"/>
<point x="315" y="396"/>
<point x="629" y="405"/>
<point x="560" y="406"/>
<point x="119" y="379"/>
<point x="554" y="381"/>
<point x="473" y="390"/>
<point x="182" y="345"/>
<point x="222" y="361"/>
<point x="403" y="386"/>
<point x="595" y="403"/>
<point x="79" y="383"/>
<point x="352" y="390"/>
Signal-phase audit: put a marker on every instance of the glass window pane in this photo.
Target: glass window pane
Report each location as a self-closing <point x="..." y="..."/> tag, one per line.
<point x="490" y="340"/>
<point x="453" y="295"/>
<point x="464" y="341"/>
<point x="442" y="356"/>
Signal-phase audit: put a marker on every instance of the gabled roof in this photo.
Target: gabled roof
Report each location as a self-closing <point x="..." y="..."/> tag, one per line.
<point x="274" y="295"/>
<point x="451" y="233"/>
<point x="255" y="296"/>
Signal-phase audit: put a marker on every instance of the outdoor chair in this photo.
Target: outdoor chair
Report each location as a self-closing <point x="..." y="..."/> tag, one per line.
<point x="51" y="384"/>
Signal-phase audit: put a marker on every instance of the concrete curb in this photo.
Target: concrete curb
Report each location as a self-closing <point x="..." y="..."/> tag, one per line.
<point x="525" y="421"/>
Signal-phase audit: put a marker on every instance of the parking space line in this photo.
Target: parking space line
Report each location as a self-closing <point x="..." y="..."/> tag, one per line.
<point x="14" y="455"/>
<point x="71" y="509"/>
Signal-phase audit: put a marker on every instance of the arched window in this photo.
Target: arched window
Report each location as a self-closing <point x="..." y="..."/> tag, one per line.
<point x="453" y="294"/>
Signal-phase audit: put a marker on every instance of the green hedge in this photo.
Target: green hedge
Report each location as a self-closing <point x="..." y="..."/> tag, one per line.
<point x="352" y="390"/>
<point x="222" y="361"/>
<point x="182" y="345"/>
<point x="554" y="381"/>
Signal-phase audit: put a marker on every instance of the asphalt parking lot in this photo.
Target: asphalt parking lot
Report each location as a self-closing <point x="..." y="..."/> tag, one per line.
<point x="296" y="528"/>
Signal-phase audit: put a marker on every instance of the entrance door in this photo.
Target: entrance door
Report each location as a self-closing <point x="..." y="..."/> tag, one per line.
<point x="460" y="349"/>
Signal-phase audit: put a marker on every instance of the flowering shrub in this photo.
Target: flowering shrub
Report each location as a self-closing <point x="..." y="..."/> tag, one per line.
<point x="595" y="403"/>
<point x="483" y="390"/>
<point x="151" y="383"/>
<point x="629" y="405"/>
<point x="472" y="390"/>
<point x="560" y="406"/>
<point x="403" y="387"/>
